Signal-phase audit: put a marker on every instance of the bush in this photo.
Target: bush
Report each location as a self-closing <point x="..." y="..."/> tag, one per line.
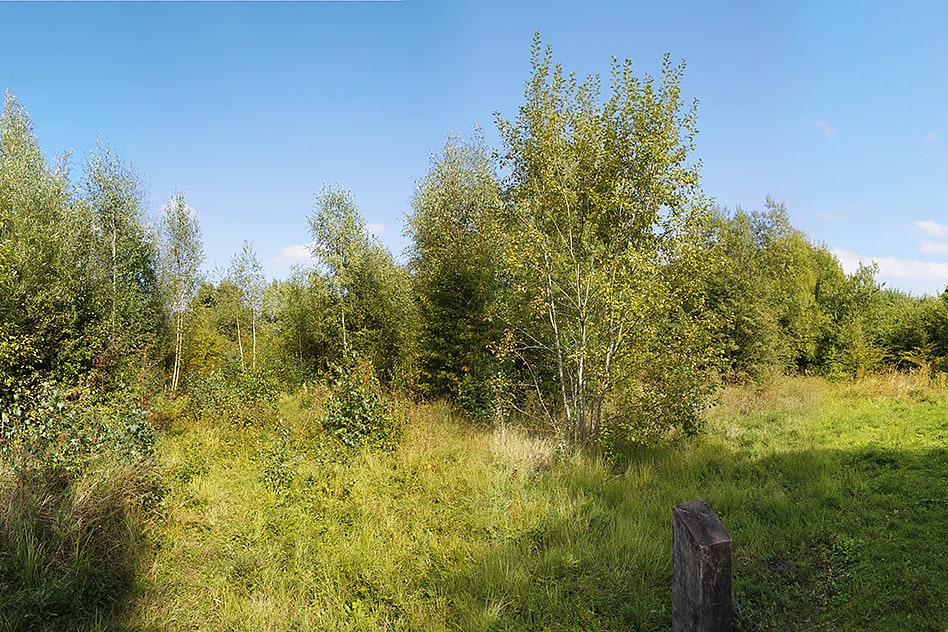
<point x="245" y="399"/>
<point x="357" y="410"/>
<point x="69" y="432"/>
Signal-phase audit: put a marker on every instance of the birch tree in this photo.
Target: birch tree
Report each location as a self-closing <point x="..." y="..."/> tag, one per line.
<point x="372" y="294"/>
<point x="125" y="249"/>
<point x="597" y="190"/>
<point x="247" y="274"/>
<point x="182" y="256"/>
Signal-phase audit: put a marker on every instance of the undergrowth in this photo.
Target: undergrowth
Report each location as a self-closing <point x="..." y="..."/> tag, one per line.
<point x="833" y="494"/>
<point x="76" y="478"/>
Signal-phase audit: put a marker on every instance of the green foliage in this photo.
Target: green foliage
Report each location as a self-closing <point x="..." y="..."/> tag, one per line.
<point x="246" y="274"/>
<point x="244" y="398"/>
<point x="278" y="464"/>
<point x="914" y="332"/>
<point x="456" y="259"/>
<point x="782" y="303"/>
<point x="46" y="430"/>
<point x="125" y="254"/>
<point x="374" y="311"/>
<point x="601" y="199"/>
<point x="48" y="298"/>
<point x="78" y="291"/>
<point x="76" y="474"/>
<point x="357" y="410"/>
<point x="182" y="254"/>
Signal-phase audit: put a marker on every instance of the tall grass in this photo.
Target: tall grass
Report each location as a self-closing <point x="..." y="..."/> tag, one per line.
<point x="70" y="548"/>
<point x="75" y="478"/>
<point x="833" y="493"/>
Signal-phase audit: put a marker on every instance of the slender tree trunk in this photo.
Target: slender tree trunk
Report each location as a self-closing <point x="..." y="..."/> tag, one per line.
<point x="253" y="328"/>
<point x="345" y="343"/>
<point x="561" y="369"/>
<point x="240" y="341"/>
<point x="179" y="335"/>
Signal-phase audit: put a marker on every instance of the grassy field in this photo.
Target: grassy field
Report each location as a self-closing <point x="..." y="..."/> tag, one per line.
<point x="834" y="495"/>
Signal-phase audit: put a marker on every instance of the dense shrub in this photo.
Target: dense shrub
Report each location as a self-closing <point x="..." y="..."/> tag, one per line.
<point x="247" y="398"/>
<point x="358" y="411"/>
<point x="70" y="431"/>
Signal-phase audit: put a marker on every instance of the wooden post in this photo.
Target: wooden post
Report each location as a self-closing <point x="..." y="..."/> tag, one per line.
<point x="701" y="564"/>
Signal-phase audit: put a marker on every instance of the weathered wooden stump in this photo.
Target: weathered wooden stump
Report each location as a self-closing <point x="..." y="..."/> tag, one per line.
<point x="701" y="563"/>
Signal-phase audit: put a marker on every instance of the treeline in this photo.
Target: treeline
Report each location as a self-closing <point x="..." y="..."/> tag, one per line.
<point x="576" y="276"/>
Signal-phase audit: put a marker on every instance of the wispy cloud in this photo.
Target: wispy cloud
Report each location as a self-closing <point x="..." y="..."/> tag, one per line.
<point x="932" y="228"/>
<point x="931" y="138"/>
<point x="293" y="255"/>
<point x="303" y="253"/>
<point x="828" y="130"/>
<point x="374" y="229"/>
<point x="893" y="267"/>
<point x="934" y="247"/>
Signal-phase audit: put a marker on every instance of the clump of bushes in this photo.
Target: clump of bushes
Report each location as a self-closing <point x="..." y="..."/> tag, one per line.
<point x="246" y="399"/>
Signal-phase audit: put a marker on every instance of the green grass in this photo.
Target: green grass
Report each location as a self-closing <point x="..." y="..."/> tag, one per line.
<point x="834" y="495"/>
<point x="70" y="548"/>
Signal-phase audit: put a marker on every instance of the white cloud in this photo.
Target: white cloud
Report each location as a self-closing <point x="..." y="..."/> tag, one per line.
<point x="935" y="247"/>
<point x="931" y="138"/>
<point x="932" y="228"/>
<point x="893" y="267"/>
<point x="192" y="212"/>
<point x="828" y="130"/>
<point x="374" y="229"/>
<point x="292" y="255"/>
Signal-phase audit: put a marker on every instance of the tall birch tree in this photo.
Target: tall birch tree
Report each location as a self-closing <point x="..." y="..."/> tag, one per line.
<point x="182" y="256"/>
<point x="247" y="274"/>
<point x="126" y="251"/>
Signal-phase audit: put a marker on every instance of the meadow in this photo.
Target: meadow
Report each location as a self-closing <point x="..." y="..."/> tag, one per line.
<point x="834" y="494"/>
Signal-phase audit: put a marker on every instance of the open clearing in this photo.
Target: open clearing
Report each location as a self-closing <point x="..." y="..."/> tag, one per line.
<point x="834" y="494"/>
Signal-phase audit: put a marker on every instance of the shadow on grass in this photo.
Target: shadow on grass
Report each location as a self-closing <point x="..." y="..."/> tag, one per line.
<point x="823" y="540"/>
<point x="70" y="548"/>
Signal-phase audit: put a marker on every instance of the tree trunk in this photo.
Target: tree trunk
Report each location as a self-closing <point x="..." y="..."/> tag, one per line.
<point x="253" y="328"/>
<point x="179" y="334"/>
<point x="240" y="342"/>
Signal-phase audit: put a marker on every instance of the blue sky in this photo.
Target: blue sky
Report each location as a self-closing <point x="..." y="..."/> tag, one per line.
<point x="836" y="109"/>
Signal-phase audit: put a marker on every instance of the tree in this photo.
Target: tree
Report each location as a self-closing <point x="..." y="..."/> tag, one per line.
<point x="339" y="242"/>
<point x="247" y="274"/>
<point x="455" y="257"/>
<point x="182" y="256"/>
<point x="302" y="307"/>
<point x="126" y="251"/>
<point x="372" y="294"/>
<point x="764" y="293"/>
<point x="598" y="193"/>
<point x="50" y="320"/>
